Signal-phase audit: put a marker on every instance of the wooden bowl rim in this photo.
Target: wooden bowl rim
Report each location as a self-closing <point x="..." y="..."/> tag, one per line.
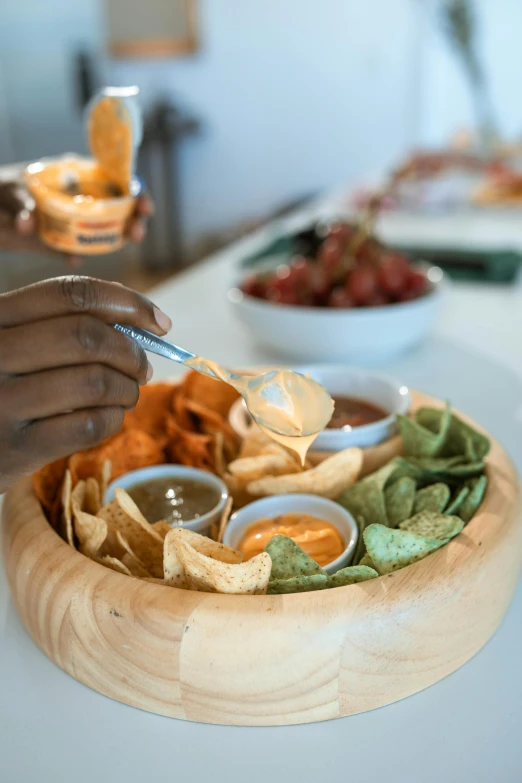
<point x="499" y="477"/>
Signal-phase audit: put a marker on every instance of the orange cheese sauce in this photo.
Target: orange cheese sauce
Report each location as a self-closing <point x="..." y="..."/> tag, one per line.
<point x="319" y="539"/>
<point x="110" y="140"/>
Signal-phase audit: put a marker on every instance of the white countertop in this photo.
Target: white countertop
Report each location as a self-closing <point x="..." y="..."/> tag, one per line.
<point x="465" y="728"/>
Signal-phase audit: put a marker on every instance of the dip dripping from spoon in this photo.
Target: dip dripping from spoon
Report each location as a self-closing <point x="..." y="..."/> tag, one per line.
<point x="289" y="407"/>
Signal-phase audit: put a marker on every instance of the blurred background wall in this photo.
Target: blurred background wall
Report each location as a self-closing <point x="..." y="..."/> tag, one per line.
<point x="292" y="96"/>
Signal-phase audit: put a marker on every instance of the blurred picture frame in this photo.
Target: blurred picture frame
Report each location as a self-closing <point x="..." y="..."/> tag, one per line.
<point x="151" y="29"/>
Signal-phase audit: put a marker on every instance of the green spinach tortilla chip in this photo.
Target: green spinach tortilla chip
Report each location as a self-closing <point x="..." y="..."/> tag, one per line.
<point x="289" y="560"/>
<point x="394" y="549"/>
<point x="434" y="497"/>
<point x="460" y="438"/>
<point x="367" y="561"/>
<point x="297" y="584"/>
<point x="350" y="575"/>
<point x="420" y="441"/>
<point x="456" y="502"/>
<point x="431" y="524"/>
<point x="399" y="497"/>
<point x="470" y="505"/>
<point x="365" y="501"/>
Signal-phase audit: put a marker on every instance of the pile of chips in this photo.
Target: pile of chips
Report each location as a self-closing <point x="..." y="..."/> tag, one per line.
<point x="405" y="510"/>
<point x="186" y="424"/>
<point x="420" y="501"/>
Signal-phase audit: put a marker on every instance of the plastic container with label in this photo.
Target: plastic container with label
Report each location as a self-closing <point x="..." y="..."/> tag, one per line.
<point x="84" y="204"/>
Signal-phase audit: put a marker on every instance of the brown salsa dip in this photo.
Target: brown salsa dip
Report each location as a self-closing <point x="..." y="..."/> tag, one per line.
<point x="353" y="412"/>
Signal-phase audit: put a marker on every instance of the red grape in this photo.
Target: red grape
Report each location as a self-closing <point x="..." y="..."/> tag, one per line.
<point x="341" y="232"/>
<point x="416" y="283"/>
<point x="340" y="298"/>
<point x="330" y="253"/>
<point x="361" y="285"/>
<point x="254" y="286"/>
<point x="392" y="275"/>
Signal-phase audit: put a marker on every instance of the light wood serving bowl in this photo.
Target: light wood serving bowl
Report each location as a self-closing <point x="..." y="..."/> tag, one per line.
<point x="267" y="660"/>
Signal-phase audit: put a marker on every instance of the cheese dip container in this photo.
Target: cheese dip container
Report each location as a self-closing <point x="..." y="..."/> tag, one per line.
<point x="84" y="204"/>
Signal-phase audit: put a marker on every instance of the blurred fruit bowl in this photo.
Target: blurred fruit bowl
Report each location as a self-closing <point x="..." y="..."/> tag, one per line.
<point x="343" y="301"/>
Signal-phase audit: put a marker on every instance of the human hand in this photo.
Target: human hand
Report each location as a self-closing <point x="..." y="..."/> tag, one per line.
<point x="66" y="376"/>
<point x="18" y="226"/>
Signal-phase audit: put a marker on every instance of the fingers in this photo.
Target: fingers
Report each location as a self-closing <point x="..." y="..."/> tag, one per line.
<point x="110" y="302"/>
<point x="137" y="230"/>
<point x="56" y="437"/>
<point x="137" y="226"/>
<point x="25" y="223"/>
<point x="70" y="341"/>
<point x="54" y="392"/>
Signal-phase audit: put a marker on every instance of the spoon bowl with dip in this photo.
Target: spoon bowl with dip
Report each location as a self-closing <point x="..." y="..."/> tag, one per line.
<point x="290" y="407"/>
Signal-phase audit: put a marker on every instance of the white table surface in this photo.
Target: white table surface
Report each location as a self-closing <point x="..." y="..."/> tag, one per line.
<point x="465" y="728"/>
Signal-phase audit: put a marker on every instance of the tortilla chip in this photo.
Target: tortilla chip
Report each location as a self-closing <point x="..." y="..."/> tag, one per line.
<point x="435" y="498"/>
<point x="289" y="560"/>
<point x="329" y="479"/>
<point x="67" y="509"/>
<point x="128" y="557"/>
<point x="367" y="561"/>
<point x="225" y="516"/>
<point x="207" y="575"/>
<point x="113" y="563"/>
<point x="174" y="572"/>
<point x="461" y="439"/>
<point x="90" y="531"/>
<point x="297" y="584"/>
<point x="419" y="441"/>
<point x="252" y="468"/>
<point x="366" y="502"/>
<point x="433" y="524"/>
<point x="161" y="528"/>
<point x="457" y="500"/>
<point x="398" y="500"/>
<point x="219" y="453"/>
<point x="105" y="479"/>
<point x="92" y="503"/>
<point x="471" y="503"/>
<point x="351" y="575"/>
<point x="394" y="549"/>
<point x="146" y="543"/>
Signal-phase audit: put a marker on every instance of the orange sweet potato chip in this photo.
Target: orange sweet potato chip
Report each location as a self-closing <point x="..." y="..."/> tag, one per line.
<point x="47" y="484"/>
<point x="151" y="410"/>
<point x="215" y="395"/>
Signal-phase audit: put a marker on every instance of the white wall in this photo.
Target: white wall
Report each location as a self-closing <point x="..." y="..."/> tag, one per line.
<point x="295" y="95"/>
<point x="446" y="101"/>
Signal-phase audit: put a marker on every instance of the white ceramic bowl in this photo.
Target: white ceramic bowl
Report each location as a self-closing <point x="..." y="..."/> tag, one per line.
<point x="200" y="524"/>
<point x="364" y="336"/>
<point x="366" y="385"/>
<point x="286" y="504"/>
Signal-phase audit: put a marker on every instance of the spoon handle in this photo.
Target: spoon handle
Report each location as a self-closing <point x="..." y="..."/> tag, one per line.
<point x="149" y="342"/>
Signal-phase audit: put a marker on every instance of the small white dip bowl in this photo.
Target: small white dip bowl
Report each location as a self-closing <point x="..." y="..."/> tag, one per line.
<point x="314" y="505"/>
<point x="384" y="392"/>
<point x="200" y="524"/>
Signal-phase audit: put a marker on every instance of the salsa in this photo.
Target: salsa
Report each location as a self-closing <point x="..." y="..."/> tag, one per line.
<point x="318" y="538"/>
<point x="352" y="412"/>
<point x="176" y="500"/>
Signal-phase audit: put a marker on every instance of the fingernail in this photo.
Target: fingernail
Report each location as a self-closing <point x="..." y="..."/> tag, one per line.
<point x="150" y="372"/>
<point x="162" y="320"/>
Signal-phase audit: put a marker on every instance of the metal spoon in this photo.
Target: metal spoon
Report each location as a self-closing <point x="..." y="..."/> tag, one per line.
<point x="277" y="400"/>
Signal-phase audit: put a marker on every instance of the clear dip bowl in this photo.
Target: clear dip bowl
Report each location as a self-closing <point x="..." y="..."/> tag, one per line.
<point x="201" y="524"/>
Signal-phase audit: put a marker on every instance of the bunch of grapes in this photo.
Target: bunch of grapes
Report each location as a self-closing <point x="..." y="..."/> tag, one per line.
<point x="342" y="275"/>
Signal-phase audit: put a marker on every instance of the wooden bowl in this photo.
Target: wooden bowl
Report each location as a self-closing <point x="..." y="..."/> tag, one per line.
<point x="267" y="660"/>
